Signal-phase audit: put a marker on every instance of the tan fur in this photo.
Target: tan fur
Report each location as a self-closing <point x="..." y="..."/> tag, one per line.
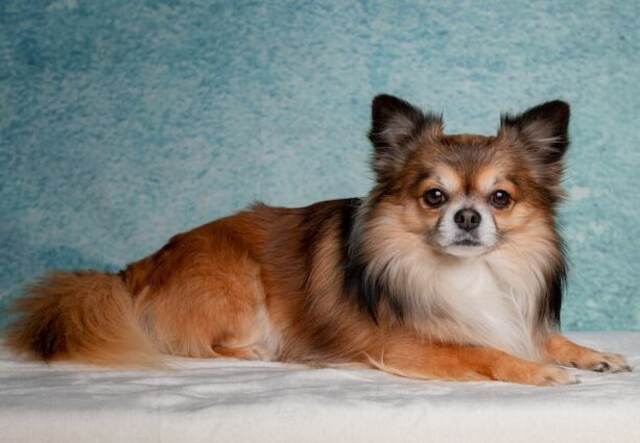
<point x="564" y="352"/>
<point x="91" y="318"/>
<point x="272" y="283"/>
<point x="198" y="297"/>
<point x="406" y="357"/>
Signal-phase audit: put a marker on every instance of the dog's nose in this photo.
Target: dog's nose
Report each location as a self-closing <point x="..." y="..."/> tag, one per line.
<point x="467" y="219"/>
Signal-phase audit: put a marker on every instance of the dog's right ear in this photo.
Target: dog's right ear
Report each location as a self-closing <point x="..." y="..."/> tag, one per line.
<point x="394" y="124"/>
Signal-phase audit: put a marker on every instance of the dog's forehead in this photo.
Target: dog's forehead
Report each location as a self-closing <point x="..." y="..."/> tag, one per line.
<point x="465" y="162"/>
<point x="482" y="178"/>
<point x="458" y="150"/>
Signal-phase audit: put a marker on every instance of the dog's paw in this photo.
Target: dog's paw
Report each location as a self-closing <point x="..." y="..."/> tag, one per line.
<point x="605" y="362"/>
<point x="535" y="374"/>
<point x="553" y="375"/>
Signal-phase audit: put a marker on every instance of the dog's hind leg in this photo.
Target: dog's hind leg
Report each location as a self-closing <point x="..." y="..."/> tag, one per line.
<point x="203" y="296"/>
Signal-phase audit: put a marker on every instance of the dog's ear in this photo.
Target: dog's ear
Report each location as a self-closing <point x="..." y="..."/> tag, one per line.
<point x="543" y="130"/>
<point x="394" y="124"/>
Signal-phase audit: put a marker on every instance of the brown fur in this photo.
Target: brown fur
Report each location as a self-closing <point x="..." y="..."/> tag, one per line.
<point x="286" y="284"/>
<point x="81" y="316"/>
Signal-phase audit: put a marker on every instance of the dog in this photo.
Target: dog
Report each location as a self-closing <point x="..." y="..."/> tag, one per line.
<point x="451" y="268"/>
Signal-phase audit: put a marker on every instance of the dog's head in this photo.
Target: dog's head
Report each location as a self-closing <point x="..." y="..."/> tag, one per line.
<point x="466" y="195"/>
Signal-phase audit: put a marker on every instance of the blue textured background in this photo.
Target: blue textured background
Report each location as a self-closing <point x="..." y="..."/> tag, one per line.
<point x="124" y="122"/>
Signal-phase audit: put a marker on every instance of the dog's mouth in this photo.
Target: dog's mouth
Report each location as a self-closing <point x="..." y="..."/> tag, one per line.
<point x="466" y="242"/>
<point x="466" y="246"/>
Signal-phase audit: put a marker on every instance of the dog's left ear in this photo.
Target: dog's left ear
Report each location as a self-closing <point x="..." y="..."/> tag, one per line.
<point x="542" y="129"/>
<point x="395" y="123"/>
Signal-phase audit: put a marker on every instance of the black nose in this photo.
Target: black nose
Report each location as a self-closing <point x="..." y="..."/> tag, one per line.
<point x="467" y="219"/>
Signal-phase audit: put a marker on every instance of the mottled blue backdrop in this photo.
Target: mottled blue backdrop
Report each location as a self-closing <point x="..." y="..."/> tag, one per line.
<point x="124" y="122"/>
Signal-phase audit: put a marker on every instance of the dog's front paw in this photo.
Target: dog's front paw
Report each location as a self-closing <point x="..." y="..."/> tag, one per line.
<point x="605" y="362"/>
<point x="552" y="375"/>
<point x="534" y="374"/>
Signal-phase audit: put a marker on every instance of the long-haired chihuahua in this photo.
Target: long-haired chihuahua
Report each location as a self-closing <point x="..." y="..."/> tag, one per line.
<point x="451" y="267"/>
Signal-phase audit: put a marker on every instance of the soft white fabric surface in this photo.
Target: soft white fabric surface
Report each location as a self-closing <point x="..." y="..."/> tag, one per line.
<point x="235" y="401"/>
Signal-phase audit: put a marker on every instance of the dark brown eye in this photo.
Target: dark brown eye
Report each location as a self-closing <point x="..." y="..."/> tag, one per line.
<point x="434" y="197"/>
<point x="500" y="199"/>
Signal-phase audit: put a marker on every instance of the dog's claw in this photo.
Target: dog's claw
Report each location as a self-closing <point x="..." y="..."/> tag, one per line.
<point x="608" y="362"/>
<point x="601" y="366"/>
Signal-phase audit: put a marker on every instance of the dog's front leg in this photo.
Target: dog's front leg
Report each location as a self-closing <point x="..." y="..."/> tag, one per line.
<point x="465" y="363"/>
<point x="564" y="352"/>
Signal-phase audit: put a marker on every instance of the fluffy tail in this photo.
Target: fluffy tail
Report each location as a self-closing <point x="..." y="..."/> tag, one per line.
<point x="84" y="316"/>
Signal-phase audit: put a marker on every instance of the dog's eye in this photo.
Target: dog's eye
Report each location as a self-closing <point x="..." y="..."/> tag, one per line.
<point x="434" y="197"/>
<point x="500" y="199"/>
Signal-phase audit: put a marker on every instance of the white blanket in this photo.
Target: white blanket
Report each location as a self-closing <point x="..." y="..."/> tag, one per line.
<point x="236" y="401"/>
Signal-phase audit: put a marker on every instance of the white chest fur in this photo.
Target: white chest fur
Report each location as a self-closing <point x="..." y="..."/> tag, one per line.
<point x="490" y="300"/>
